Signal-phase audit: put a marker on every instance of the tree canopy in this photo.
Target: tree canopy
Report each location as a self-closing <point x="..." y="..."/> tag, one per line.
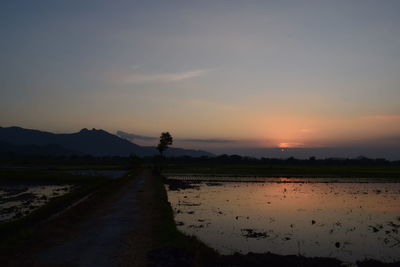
<point x="165" y="141"/>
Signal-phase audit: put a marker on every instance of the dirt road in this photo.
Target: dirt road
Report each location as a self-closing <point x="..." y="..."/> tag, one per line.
<point x="112" y="230"/>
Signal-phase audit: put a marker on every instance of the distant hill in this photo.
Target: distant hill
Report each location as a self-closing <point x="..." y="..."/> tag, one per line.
<point x="93" y="142"/>
<point x="7" y="149"/>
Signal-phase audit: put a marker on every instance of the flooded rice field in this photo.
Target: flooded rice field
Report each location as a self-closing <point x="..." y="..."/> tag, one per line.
<point x="350" y="221"/>
<point x="17" y="200"/>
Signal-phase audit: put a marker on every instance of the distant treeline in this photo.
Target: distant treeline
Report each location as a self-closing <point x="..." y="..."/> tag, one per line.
<point x="236" y="159"/>
<point x="206" y="160"/>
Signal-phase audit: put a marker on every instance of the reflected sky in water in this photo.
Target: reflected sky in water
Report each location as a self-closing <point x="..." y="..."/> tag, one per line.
<point x="18" y="200"/>
<point x="350" y="221"/>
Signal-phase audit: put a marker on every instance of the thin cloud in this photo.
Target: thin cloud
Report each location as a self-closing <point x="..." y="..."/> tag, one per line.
<point x="385" y="117"/>
<point x="306" y="130"/>
<point x="132" y="78"/>
<point x="130" y="136"/>
<point x="209" y="141"/>
<point x="388" y="141"/>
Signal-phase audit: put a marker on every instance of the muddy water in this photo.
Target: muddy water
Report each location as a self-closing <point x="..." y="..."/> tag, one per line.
<point x="349" y="221"/>
<point x="18" y="200"/>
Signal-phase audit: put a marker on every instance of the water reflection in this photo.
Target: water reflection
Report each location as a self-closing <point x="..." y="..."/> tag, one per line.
<point x="19" y="200"/>
<point x="350" y="221"/>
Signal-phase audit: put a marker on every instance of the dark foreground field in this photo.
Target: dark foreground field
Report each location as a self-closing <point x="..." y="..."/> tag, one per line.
<point x="129" y="222"/>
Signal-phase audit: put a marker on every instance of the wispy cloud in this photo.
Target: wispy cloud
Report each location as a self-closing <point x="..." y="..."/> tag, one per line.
<point x="209" y="141"/>
<point x="137" y="77"/>
<point x="131" y="137"/>
<point x="385" y="117"/>
<point x="306" y="130"/>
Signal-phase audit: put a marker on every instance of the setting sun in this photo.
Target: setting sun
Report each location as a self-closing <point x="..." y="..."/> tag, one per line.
<point x="289" y="145"/>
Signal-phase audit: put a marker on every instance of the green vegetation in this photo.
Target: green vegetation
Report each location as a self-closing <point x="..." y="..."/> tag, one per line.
<point x="340" y="171"/>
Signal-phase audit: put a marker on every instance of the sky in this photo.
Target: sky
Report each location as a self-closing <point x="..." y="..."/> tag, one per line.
<point x="215" y="74"/>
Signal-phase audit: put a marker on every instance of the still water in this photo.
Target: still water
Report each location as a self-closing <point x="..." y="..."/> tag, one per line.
<point x="350" y="221"/>
<point x="18" y="200"/>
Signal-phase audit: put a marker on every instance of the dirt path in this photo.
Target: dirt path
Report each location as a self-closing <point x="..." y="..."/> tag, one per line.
<point x="113" y="236"/>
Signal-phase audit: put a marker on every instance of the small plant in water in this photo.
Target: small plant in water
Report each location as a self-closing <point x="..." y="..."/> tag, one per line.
<point x="250" y="233"/>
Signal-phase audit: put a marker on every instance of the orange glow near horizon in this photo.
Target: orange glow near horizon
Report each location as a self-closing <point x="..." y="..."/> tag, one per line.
<point x="283" y="145"/>
<point x="289" y="145"/>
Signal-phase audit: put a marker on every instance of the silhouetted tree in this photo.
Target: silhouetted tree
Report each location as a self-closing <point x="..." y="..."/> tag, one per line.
<point x="165" y="142"/>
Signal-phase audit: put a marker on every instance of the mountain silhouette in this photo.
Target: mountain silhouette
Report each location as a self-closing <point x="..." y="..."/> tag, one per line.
<point x="7" y="149"/>
<point x="92" y="142"/>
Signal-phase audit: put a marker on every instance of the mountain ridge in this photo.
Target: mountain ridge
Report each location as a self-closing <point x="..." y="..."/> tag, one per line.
<point x="95" y="142"/>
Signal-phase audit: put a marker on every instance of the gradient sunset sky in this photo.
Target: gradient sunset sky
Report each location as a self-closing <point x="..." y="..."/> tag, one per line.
<point x="213" y="73"/>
